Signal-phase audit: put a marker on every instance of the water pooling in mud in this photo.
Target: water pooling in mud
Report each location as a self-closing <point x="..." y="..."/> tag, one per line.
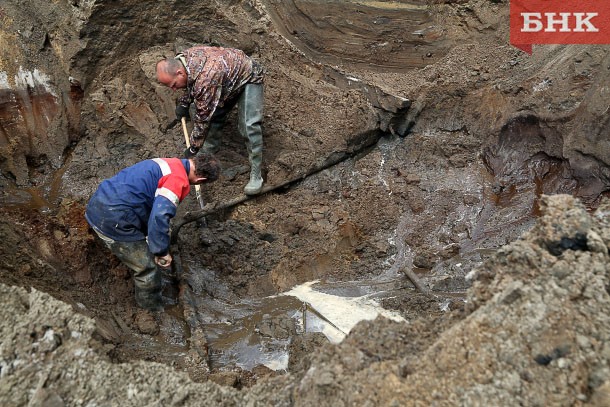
<point x="259" y="332"/>
<point x="39" y="198"/>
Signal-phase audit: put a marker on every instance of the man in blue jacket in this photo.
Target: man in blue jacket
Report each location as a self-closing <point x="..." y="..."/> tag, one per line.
<point x="131" y="213"/>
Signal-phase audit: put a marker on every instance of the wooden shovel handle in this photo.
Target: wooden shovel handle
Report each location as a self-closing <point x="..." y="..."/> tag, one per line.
<point x="187" y="139"/>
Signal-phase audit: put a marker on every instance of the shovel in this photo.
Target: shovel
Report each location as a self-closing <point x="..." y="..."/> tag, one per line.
<point x="188" y="144"/>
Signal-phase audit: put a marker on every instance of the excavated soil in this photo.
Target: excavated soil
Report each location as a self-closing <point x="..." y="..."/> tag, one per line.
<point x="399" y="137"/>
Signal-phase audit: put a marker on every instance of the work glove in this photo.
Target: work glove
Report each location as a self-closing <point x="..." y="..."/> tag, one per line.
<point x="182" y="111"/>
<point x="191" y="152"/>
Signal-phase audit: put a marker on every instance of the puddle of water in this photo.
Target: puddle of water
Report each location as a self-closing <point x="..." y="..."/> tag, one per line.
<point x="339" y="312"/>
<point x="255" y="333"/>
<point x="247" y="334"/>
<point x="251" y="333"/>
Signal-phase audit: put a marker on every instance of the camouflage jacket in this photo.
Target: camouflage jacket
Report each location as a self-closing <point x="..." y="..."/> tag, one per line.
<point x="216" y="75"/>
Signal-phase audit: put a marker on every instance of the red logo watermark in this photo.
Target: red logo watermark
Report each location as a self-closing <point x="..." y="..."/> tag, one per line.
<point x="559" y="22"/>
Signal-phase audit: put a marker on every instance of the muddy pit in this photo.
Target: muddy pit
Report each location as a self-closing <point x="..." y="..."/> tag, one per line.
<point x="403" y="137"/>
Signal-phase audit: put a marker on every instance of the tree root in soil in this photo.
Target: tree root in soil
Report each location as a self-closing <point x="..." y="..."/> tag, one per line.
<point x="416" y="281"/>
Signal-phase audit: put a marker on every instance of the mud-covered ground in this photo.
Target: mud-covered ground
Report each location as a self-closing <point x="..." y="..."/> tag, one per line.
<point x="534" y="332"/>
<point x="442" y="138"/>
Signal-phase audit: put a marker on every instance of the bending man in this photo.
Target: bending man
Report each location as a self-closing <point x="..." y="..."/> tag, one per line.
<point x="131" y="213"/>
<point x="216" y="79"/>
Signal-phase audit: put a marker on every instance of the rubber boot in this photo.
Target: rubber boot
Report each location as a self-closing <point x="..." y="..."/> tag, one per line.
<point x="146" y="276"/>
<point x="255" y="185"/>
<point x="148" y="289"/>
<point x="213" y="139"/>
<point x="250" y="117"/>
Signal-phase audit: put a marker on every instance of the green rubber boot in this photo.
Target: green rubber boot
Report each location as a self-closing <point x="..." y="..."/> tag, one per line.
<point x="250" y="118"/>
<point x="255" y="185"/>
<point x="213" y="139"/>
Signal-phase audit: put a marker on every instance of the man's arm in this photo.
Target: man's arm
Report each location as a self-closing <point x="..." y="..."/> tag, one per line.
<point x="163" y="211"/>
<point x="207" y="92"/>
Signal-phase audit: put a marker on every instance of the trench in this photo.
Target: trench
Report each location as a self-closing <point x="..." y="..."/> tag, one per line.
<point x="438" y="224"/>
<point x="212" y="325"/>
<point x="232" y="331"/>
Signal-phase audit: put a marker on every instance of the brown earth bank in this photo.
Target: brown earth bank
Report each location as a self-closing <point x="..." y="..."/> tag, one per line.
<point x="414" y="137"/>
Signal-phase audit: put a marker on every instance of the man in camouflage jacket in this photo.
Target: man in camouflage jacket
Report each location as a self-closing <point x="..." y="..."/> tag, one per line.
<point x="216" y="79"/>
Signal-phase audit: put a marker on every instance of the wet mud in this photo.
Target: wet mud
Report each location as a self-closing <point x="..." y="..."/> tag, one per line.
<point x="434" y="145"/>
<point x="28" y="116"/>
<point x="234" y="304"/>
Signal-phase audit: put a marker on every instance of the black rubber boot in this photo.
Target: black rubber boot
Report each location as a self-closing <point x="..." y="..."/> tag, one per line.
<point x="148" y="289"/>
<point x="149" y="300"/>
<point x="146" y="276"/>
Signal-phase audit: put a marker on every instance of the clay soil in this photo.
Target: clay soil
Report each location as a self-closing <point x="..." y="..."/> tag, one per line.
<point x="401" y="136"/>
